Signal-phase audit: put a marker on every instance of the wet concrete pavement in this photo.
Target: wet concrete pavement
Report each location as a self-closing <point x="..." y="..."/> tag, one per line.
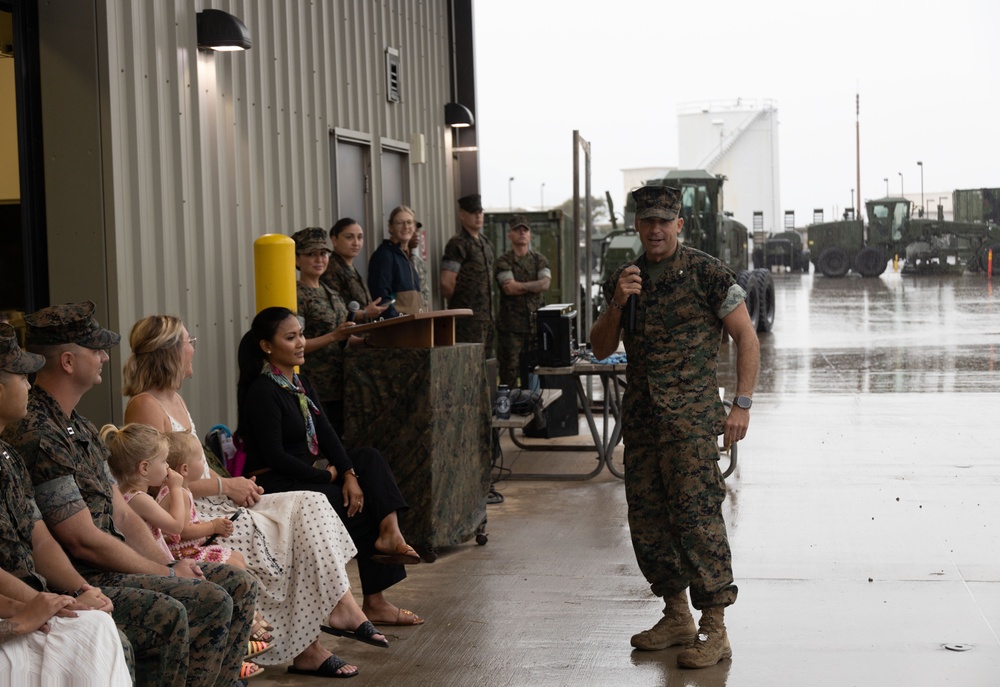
<point x="863" y="517"/>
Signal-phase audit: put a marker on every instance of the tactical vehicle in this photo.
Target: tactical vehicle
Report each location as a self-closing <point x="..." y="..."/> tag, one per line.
<point x="783" y="249"/>
<point x="924" y="245"/>
<point x="707" y="228"/>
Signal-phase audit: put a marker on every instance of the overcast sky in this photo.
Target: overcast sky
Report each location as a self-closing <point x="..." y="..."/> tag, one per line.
<point x="928" y="75"/>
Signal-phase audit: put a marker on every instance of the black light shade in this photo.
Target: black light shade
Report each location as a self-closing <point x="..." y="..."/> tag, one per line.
<point x="218" y="30"/>
<point x="458" y="115"/>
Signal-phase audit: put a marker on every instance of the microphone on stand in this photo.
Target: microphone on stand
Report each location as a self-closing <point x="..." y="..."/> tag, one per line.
<point x="353" y="306"/>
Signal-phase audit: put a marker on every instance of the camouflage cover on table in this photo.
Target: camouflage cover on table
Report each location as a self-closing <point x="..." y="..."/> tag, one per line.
<point x="428" y="411"/>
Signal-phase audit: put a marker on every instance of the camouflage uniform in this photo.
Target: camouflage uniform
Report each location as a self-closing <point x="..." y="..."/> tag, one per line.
<point x="420" y="267"/>
<point x="347" y="282"/>
<point x="672" y="418"/>
<point x="323" y="310"/>
<point x="516" y="323"/>
<point x="183" y="631"/>
<point x="472" y="259"/>
<point x="17" y="526"/>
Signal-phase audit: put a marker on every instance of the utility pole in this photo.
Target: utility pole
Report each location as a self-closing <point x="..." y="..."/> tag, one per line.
<point x="857" y="153"/>
<point x="921" y="166"/>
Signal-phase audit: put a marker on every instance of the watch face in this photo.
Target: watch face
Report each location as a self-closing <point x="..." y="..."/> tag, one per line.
<point x="744" y="402"/>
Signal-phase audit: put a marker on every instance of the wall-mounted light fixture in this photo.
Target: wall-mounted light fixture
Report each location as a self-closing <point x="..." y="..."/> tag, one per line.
<point x="218" y="30"/>
<point x="457" y="115"/>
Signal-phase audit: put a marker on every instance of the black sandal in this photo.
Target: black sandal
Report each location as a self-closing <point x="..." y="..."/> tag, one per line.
<point x="365" y="633"/>
<point x="327" y="668"/>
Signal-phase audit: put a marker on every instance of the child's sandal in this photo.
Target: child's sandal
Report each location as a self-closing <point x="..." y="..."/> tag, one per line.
<point x="250" y="669"/>
<point x="255" y="648"/>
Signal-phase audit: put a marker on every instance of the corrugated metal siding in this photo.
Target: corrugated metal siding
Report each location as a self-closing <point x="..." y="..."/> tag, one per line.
<point x="211" y="150"/>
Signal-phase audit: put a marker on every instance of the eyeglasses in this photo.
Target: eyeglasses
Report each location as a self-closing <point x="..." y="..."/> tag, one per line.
<point x="193" y="341"/>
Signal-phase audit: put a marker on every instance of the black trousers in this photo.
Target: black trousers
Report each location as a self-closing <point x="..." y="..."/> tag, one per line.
<point x="382" y="497"/>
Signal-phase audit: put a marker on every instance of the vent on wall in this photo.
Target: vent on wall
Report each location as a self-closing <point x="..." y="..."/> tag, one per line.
<point x="392" y="86"/>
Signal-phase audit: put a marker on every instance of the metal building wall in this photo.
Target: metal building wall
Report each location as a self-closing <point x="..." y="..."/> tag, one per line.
<point x="208" y="151"/>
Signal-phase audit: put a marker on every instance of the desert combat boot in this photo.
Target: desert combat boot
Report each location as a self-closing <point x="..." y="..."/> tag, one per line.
<point x="712" y="643"/>
<point x="675" y="628"/>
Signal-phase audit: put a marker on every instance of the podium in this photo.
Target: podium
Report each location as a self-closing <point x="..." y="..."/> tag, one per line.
<point x="423" y="401"/>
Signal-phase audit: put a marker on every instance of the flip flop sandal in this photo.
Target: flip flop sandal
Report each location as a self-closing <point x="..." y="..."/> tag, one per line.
<point x="255" y="648"/>
<point x="411" y="619"/>
<point x="250" y="669"/>
<point x="403" y="556"/>
<point x="327" y="668"/>
<point x="365" y="633"/>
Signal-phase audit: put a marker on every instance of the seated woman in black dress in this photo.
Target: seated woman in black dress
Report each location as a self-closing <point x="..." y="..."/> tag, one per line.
<point x="285" y="432"/>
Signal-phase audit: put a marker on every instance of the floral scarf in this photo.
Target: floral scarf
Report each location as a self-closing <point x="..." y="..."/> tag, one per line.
<point x="306" y="405"/>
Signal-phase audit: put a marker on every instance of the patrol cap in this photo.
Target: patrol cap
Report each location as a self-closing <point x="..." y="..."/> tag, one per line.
<point x="69" y="323"/>
<point x="657" y="201"/>
<point x="12" y="358"/>
<point x="471" y="203"/>
<point x="519" y="221"/>
<point x="311" y="238"/>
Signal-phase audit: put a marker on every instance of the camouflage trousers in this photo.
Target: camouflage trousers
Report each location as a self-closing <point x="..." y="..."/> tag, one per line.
<point x="509" y="348"/>
<point x="183" y="631"/>
<point x="469" y="330"/>
<point x="675" y="492"/>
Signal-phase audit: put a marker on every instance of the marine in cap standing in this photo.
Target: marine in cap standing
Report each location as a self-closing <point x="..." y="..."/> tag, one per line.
<point x="672" y="418"/>
<point x="524" y="276"/>
<point x="109" y="544"/>
<point x="326" y="325"/>
<point x="467" y="275"/>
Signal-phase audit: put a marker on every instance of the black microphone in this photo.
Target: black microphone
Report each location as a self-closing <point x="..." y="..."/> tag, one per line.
<point x="631" y="306"/>
<point x="353" y="306"/>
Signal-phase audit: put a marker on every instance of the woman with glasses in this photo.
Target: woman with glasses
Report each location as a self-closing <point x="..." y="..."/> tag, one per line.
<point x="390" y="272"/>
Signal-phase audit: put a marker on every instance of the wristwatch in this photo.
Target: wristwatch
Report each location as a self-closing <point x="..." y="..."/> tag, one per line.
<point x="743" y="402"/>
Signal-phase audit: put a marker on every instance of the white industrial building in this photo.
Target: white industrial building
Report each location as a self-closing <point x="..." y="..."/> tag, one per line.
<point x="739" y="139"/>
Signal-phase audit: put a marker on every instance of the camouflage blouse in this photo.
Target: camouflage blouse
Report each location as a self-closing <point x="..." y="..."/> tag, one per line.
<point x="472" y="258"/>
<point x="346" y="281"/>
<point x="68" y="464"/>
<point x="18" y="516"/>
<point x="517" y="312"/>
<point x="673" y="354"/>
<point x="322" y="310"/>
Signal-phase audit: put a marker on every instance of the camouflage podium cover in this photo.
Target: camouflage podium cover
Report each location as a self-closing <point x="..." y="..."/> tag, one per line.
<point x="428" y="411"/>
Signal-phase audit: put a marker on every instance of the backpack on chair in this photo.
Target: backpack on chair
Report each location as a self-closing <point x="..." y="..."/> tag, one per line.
<point x="221" y="442"/>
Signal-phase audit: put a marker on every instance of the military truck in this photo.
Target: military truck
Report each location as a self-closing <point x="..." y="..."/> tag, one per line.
<point x="709" y="229"/>
<point x="924" y="245"/>
<point x="783" y="249"/>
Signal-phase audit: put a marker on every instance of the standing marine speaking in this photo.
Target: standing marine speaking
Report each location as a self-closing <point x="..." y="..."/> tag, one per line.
<point x="672" y="418"/>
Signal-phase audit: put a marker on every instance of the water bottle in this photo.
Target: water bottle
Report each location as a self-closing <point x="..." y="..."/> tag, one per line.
<point x="502" y="406"/>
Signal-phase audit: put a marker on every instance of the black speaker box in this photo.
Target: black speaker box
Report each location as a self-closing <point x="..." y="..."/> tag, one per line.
<point x="556" y="325"/>
<point x="562" y="417"/>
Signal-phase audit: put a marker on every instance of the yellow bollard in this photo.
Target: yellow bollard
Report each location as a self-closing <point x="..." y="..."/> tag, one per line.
<point x="274" y="272"/>
<point x="895" y="262"/>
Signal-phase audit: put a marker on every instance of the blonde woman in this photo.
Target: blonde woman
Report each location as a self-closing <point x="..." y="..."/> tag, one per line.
<point x="390" y="272"/>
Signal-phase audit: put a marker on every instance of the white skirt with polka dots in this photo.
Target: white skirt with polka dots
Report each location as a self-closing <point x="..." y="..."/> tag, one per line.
<point x="297" y="547"/>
